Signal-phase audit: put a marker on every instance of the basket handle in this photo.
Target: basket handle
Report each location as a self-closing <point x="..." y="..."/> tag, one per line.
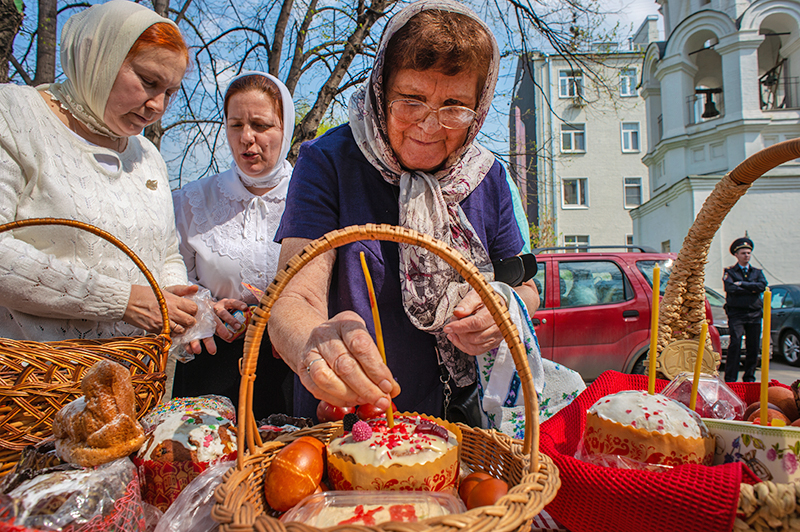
<point x="682" y="308"/>
<point x="247" y="429"/>
<point x="110" y="238"/>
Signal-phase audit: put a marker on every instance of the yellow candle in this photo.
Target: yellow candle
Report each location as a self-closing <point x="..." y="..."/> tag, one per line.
<point x="373" y="303"/>
<point x="765" y="354"/>
<point x="698" y="363"/>
<point x="651" y="382"/>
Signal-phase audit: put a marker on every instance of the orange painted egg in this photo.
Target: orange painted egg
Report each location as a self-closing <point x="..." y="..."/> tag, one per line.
<point x="294" y="474"/>
<point x="469" y="482"/>
<point x="486" y="493"/>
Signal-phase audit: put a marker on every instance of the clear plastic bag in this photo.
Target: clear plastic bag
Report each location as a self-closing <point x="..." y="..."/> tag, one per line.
<point x="84" y="499"/>
<point x="191" y="511"/>
<point x="204" y="327"/>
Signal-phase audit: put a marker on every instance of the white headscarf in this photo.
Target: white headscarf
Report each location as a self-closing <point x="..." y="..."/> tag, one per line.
<point x="94" y="44"/>
<point x="282" y="169"/>
<point x="429" y="203"/>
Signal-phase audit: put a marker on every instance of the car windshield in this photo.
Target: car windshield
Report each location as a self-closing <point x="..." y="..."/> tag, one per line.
<point x="714" y="298"/>
<point x="646" y="267"/>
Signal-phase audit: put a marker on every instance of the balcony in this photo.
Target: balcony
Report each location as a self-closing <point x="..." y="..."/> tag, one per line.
<point x="705" y="106"/>
<point x="778" y="92"/>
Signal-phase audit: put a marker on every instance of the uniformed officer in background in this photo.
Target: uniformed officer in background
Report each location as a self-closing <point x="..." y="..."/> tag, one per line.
<point x="744" y="285"/>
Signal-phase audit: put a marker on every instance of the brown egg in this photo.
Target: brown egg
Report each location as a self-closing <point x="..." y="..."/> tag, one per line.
<point x="783" y="398"/>
<point x="469" y="482"/>
<point x="320" y="447"/>
<point x="772" y="413"/>
<point x="295" y="473"/>
<point x="486" y="492"/>
<point x="796" y="423"/>
<point x="753" y="407"/>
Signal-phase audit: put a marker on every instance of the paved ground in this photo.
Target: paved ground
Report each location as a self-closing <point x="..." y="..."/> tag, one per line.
<point x="781" y="372"/>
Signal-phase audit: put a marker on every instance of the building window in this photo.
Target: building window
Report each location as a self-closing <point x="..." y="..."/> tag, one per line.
<point x="577" y="241"/>
<point x="570" y="83"/>
<point x="665" y="246"/>
<point x="574" y="192"/>
<point x="627" y="82"/>
<point x="633" y="192"/>
<point x="573" y="138"/>
<point x="628" y="240"/>
<point x="630" y="136"/>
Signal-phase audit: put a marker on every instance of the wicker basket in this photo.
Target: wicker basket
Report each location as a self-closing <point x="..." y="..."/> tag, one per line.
<point x="38" y="378"/>
<point x="240" y="502"/>
<point x="765" y="506"/>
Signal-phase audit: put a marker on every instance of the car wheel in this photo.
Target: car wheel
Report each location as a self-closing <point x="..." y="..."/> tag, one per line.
<point x="790" y="347"/>
<point x="640" y="368"/>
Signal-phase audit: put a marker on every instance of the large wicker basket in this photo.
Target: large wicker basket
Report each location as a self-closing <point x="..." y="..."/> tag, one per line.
<point x="38" y="378"/>
<point x="240" y="502"/>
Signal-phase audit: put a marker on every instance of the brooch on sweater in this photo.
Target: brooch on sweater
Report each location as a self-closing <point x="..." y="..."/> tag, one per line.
<point x="152" y="184"/>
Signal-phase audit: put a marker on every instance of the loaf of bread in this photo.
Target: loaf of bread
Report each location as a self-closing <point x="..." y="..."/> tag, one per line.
<point x="101" y="425"/>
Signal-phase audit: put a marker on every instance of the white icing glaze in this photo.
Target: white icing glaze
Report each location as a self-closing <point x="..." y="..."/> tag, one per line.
<point x="399" y="445"/>
<point x="197" y="430"/>
<point x="653" y="413"/>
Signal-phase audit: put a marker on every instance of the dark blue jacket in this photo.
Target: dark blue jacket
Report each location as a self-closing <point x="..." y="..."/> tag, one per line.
<point x="743" y="301"/>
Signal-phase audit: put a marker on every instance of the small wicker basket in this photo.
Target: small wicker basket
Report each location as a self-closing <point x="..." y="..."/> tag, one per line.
<point x="533" y="477"/>
<point x="38" y="378"/>
<point x="765" y="506"/>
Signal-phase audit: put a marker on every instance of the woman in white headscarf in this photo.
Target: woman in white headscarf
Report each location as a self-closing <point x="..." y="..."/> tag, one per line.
<point x="226" y="225"/>
<point x="407" y="157"/>
<point x="74" y="150"/>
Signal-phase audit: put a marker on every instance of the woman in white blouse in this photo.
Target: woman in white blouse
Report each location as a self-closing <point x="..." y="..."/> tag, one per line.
<point x="226" y="225"/>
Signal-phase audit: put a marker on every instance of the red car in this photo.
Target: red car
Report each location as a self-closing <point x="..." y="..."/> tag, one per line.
<point x="595" y="306"/>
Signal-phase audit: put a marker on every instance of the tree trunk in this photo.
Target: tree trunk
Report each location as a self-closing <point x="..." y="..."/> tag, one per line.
<point x="10" y="21"/>
<point x="46" y="43"/>
<point x="155" y="131"/>
<point x="307" y="128"/>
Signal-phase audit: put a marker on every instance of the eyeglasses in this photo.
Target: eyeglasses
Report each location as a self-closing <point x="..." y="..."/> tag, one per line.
<point x="449" y="116"/>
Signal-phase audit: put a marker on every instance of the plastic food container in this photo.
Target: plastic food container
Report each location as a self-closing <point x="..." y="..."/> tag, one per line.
<point x="368" y="508"/>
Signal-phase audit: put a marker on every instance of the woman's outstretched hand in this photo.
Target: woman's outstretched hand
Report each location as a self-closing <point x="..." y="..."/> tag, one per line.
<point x="342" y="365"/>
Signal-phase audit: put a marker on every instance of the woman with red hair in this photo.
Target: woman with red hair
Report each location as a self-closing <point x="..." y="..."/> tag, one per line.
<point x="75" y="150"/>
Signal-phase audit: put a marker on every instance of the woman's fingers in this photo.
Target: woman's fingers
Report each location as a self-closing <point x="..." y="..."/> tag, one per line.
<point x="474" y="334"/>
<point x="343" y="365"/>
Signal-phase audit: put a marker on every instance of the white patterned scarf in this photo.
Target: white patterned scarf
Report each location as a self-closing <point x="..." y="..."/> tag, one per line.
<point x="429" y="203"/>
<point x="94" y="44"/>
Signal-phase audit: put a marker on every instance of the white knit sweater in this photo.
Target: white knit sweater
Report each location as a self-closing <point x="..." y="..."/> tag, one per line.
<point x="58" y="282"/>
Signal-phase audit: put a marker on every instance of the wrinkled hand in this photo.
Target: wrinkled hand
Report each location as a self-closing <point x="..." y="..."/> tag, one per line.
<point x="223" y="315"/>
<point x="342" y="365"/>
<point x="472" y="329"/>
<point x="144" y="312"/>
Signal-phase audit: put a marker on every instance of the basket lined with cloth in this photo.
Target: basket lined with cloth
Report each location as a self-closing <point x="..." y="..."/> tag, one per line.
<point x="38" y="378"/>
<point x="532" y="476"/>
<point x="690" y="497"/>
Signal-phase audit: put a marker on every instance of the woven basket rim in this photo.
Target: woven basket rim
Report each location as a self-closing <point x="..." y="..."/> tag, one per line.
<point x="231" y="503"/>
<point x="46" y="374"/>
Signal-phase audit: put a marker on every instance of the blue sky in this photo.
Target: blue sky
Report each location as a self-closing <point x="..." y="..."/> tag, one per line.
<point x="629" y="13"/>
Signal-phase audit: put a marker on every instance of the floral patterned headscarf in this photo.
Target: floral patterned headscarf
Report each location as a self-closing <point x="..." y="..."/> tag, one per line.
<point x="429" y="202"/>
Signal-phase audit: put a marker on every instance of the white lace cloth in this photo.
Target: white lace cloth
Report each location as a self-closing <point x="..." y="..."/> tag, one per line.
<point x="57" y="282"/>
<point x="226" y="234"/>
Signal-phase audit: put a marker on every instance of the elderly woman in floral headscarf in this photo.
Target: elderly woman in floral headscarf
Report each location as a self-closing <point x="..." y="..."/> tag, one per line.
<point x="407" y="157"/>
